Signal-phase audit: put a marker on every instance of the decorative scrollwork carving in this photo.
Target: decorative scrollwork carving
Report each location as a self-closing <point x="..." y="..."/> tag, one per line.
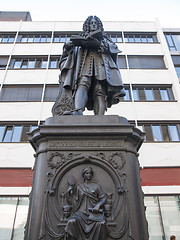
<point x="55" y="160"/>
<point x="63" y="105"/>
<point x="117" y="160"/>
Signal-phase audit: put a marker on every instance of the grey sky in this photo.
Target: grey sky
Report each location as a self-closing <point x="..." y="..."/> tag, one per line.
<point x="167" y="11"/>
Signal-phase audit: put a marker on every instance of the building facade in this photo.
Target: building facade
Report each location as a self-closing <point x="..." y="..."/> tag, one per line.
<point x="150" y="68"/>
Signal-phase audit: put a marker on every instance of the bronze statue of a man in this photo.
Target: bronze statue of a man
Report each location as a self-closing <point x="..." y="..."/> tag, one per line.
<point x="89" y="73"/>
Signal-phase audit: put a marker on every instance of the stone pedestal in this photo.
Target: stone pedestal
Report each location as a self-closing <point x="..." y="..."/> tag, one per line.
<point x="64" y="147"/>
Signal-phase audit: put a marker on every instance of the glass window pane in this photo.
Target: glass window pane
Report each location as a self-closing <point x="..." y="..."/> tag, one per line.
<point x="122" y="62"/>
<point x="150" y="39"/>
<point x="51" y="93"/>
<point x="156" y="129"/>
<point x="48" y="39"/>
<point x="56" y="39"/>
<point x="34" y="94"/>
<point x="176" y="39"/>
<point x="153" y="218"/>
<point x="143" y="39"/>
<point x="137" y="39"/>
<point x="119" y="38"/>
<point x="44" y="64"/>
<point x="17" y="64"/>
<point x="37" y="39"/>
<point x="14" y="94"/>
<point x="43" y="39"/>
<point x="16" y="134"/>
<point x="114" y="39"/>
<point x="169" y="40"/>
<point x="62" y="38"/>
<point x="7" y="212"/>
<point x="126" y="39"/>
<point x="30" y="39"/>
<point x="31" y="64"/>
<point x="24" y="39"/>
<point x="131" y="39"/>
<point x="2" y="128"/>
<point x="164" y="94"/>
<point x="33" y="127"/>
<point x="173" y="132"/>
<point x="146" y="62"/>
<point x="135" y="94"/>
<point x="149" y="94"/>
<point x="5" y="39"/>
<point x="8" y="134"/>
<point x="177" y="71"/>
<point x="53" y="64"/>
<point x="127" y="96"/>
<point x="170" y="210"/>
<point x="21" y="218"/>
<point x="11" y="39"/>
<point x="0" y="38"/>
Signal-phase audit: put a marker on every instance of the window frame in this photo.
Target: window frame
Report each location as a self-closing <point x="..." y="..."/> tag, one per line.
<point x="164" y="129"/>
<point x="156" y="91"/>
<point x="141" y="35"/>
<point x="23" y="137"/>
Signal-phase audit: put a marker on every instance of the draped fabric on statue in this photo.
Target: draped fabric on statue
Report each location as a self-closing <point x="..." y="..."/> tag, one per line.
<point x="85" y="225"/>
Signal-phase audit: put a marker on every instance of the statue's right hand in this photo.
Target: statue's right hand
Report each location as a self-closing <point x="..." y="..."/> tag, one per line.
<point x="70" y="190"/>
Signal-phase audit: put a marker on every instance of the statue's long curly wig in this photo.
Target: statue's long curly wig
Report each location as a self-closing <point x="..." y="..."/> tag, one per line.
<point x="86" y="25"/>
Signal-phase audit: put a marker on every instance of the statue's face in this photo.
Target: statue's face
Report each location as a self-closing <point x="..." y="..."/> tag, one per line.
<point x="93" y="25"/>
<point x="88" y="175"/>
<point x="107" y="210"/>
<point x="67" y="211"/>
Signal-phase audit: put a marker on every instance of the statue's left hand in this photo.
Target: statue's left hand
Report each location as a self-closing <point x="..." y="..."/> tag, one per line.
<point x="96" y="208"/>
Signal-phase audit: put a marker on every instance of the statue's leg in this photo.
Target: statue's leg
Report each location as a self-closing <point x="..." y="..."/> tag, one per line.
<point x="99" y="99"/>
<point x="81" y="96"/>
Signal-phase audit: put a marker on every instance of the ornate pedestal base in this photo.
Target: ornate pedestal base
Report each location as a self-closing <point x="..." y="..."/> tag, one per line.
<point x="86" y="181"/>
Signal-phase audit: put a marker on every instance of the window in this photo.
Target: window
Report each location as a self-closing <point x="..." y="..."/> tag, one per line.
<point x="140" y="37"/>
<point x="157" y="134"/>
<point x="21" y="93"/>
<point x="173" y="41"/>
<point x="122" y="62"/>
<point x="28" y="63"/>
<point x="163" y="216"/>
<point x="34" y="38"/>
<point x="177" y="68"/>
<point x="152" y="93"/>
<point x="63" y="37"/>
<point x="54" y="62"/>
<point x="7" y="38"/>
<point x="162" y="213"/>
<point x="116" y="37"/>
<point x="51" y="93"/>
<point x="15" y="133"/>
<point x="146" y="62"/>
<point x="14" y="212"/>
<point x="3" y="62"/>
<point x="161" y="132"/>
<point x="176" y="61"/>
